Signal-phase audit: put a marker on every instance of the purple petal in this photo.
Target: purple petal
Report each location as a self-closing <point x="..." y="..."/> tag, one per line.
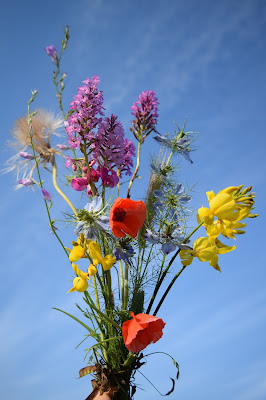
<point x="158" y="194"/>
<point x="62" y="147"/>
<point x="179" y="189"/>
<point x="185" y="154"/>
<point x="25" y="182"/>
<point x="26" y="155"/>
<point x="46" y="195"/>
<point x="168" y="247"/>
<point x="103" y="223"/>
<point x="185" y="199"/>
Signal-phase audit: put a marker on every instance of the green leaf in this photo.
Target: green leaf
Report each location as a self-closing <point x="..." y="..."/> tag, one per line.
<point x="92" y="332"/>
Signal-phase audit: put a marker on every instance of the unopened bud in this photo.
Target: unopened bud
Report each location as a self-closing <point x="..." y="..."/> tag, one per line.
<point x="253" y="215"/>
<point x="248" y="189"/>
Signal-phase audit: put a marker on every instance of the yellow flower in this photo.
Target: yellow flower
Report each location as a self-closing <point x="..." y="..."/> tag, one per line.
<point x="202" y="249"/>
<point x="76" y="253"/>
<point x="220" y="249"/>
<point x="80" y="282"/>
<point x="79" y="248"/>
<point x="227" y="228"/>
<point x="221" y="206"/>
<point x="96" y="254"/>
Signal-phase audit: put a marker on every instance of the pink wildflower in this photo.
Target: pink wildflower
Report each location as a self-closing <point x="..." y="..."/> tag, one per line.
<point x="87" y="104"/>
<point x="145" y="111"/>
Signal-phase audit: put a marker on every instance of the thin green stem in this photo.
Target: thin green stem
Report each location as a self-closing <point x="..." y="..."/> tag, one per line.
<point x="168" y="289"/>
<point x="169" y="158"/>
<point x="138" y="163"/>
<point x="39" y="175"/>
<point x="159" y="283"/>
<point x="84" y="151"/>
<point x="122" y="285"/>
<point x="126" y="283"/>
<point x="100" y="320"/>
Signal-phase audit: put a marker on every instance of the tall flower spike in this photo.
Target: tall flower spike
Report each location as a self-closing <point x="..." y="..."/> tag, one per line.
<point x="145" y="112"/>
<point x="87" y="105"/>
<point x="110" y="148"/>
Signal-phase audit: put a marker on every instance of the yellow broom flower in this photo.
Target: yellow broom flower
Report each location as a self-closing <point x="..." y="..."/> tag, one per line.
<point x="96" y="254"/>
<point x="80" y="282"/>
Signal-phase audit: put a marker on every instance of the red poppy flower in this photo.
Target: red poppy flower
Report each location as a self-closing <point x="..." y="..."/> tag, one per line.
<point x="142" y="330"/>
<point x="127" y="217"/>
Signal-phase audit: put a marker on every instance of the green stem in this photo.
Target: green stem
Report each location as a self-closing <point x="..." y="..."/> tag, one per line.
<point x="100" y="320"/>
<point x="159" y="283"/>
<point x="39" y="176"/>
<point x="169" y="158"/>
<point x="122" y="285"/>
<point x="168" y="289"/>
<point x="118" y="186"/>
<point x="126" y="283"/>
<point x="107" y="318"/>
<point x="93" y="189"/>
<point x="138" y="163"/>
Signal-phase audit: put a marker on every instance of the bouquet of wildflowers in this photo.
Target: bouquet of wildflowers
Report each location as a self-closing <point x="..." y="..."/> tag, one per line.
<point x="121" y="248"/>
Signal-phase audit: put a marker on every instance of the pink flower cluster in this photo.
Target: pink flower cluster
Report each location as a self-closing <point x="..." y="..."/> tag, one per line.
<point x="87" y="105"/>
<point x="109" y="179"/>
<point x="145" y="111"/>
<point x="110" y="148"/>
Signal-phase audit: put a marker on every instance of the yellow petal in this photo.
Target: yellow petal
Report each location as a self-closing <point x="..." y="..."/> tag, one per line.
<point x="95" y="252"/>
<point x="222" y="205"/>
<point x="210" y="195"/>
<point x="205" y="215"/>
<point x="213" y="231"/>
<point x="81" y="285"/>
<point x="76" y="253"/>
<point x="108" y="261"/>
<point x="186" y="257"/>
<point x="222" y="248"/>
<point x="201" y="243"/>
<point x="74" y="283"/>
<point x="231" y="189"/>
<point x="214" y="263"/>
<point x="78" y="272"/>
<point x="92" y="270"/>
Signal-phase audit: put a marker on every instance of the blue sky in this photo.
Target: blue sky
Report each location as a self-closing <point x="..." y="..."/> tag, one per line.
<point x="206" y="61"/>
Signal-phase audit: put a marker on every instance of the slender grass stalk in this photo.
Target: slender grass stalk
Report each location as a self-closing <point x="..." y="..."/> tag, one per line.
<point x="84" y="151"/>
<point x="126" y="284"/>
<point x="122" y="285"/>
<point x="29" y="115"/>
<point x="118" y="186"/>
<point x="158" y="285"/>
<point x="138" y="163"/>
<point x="59" y="190"/>
<point x="168" y="289"/>
<point x="100" y="319"/>
<point x="112" y="322"/>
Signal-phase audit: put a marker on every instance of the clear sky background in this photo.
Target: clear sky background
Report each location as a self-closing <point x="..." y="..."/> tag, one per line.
<point x="206" y="61"/>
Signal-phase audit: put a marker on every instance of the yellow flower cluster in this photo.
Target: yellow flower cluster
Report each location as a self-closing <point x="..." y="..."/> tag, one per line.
<point x="85" y="248"/>
<point x="229" y="206"/>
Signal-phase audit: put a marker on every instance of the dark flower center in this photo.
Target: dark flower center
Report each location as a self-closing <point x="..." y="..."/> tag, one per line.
<point x="119" y="214"/>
